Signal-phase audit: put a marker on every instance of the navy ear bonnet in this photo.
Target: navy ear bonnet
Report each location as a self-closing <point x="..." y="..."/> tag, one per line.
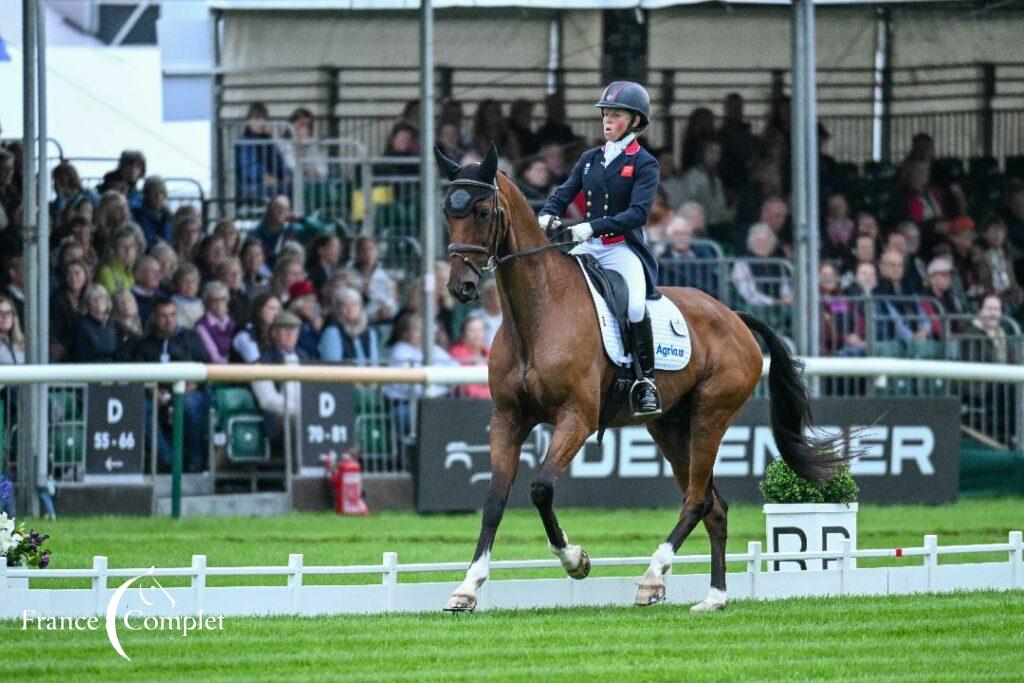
<point x="466" y="190"/>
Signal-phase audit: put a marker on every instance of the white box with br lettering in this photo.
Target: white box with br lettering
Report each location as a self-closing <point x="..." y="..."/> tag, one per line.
<point x="809" y="527"/>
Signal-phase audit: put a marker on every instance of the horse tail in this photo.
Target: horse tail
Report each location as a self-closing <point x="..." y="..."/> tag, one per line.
<point x="812" y="459"/>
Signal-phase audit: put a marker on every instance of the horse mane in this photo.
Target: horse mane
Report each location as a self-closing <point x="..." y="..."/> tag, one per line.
<point x="519" y="211"/>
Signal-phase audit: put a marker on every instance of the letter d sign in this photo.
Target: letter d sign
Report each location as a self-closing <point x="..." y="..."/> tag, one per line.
<point x="115" y="411"/>
<point x="327" y="404"/>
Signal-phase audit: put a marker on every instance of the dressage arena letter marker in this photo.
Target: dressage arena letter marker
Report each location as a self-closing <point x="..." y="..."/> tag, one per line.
<point x="327" y="404"/>
<point x="115" y="411"/>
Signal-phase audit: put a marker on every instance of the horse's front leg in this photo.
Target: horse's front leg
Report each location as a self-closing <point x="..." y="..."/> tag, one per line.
<point x="571" y="432"/>
<point x="507" y="435"/>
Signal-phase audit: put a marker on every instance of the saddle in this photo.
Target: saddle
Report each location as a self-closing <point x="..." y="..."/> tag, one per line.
<point x="612" y="287"/>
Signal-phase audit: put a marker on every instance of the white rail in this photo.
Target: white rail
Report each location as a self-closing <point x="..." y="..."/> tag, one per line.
<point x="391" y="596"/>
<point x="198" y="372"/>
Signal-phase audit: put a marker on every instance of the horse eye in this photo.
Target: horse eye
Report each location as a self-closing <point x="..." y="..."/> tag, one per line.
<point x="482" y="213"/>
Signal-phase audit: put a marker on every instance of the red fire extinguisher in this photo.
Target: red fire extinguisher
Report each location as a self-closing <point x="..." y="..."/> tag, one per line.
<point x="346" y="478"/>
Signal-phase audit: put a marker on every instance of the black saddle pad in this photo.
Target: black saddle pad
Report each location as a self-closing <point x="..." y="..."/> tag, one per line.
<point x="612" y="286"/>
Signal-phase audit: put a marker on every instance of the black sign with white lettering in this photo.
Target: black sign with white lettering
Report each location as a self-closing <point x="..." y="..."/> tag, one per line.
<point x="115" y="429"/>
<point x="909" y="450"/>
<point x="326" y="421"/>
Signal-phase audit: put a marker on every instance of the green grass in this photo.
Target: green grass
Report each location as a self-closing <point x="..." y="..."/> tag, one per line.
<point x="976" y="635"/>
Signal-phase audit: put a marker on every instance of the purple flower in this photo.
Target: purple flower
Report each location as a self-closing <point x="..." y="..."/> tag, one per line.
<point x="6" y="490"/>
<point x="44" y="560"/>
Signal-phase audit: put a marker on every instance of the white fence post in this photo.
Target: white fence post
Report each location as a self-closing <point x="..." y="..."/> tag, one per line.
<point x="931" y="560"/>
<point x="390" y="580"/>
<point x="1016" y="559"/>
<point x="295" y="579"/>
<point x="198" y="583"/>
<point x="3" y="579"/>
<point x="844" y="565"/>
<point x="754" y="565"/>
<point x="99" y="583"/>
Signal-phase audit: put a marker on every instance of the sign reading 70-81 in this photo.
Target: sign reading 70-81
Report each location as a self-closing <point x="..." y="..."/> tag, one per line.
<point x="326" y="422"/>
<point x="115" y="429"/>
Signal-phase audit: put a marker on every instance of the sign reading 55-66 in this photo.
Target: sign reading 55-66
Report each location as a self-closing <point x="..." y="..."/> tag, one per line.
<point x="115" y="429"/>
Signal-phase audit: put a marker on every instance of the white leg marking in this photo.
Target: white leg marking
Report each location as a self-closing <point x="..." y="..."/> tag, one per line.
<point x="661" y="562"/>
<point x="570" y="555"/>
<point x="477" y="573"/>
<point x="716" y="600"/>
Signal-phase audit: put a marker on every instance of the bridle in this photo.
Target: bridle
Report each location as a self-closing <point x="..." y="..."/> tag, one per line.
<point x="498" y="220"/>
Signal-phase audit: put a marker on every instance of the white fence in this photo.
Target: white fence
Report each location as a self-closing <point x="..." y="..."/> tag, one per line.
<point x="839" y="578"/>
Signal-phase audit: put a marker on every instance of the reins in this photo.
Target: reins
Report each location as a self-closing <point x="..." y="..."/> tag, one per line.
<point x="498" y="219"/>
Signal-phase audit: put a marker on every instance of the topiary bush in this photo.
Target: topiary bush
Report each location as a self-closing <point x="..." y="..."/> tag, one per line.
<point x="781" y="484"/>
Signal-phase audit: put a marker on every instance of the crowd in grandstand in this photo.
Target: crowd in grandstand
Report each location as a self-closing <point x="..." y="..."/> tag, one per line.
<point x="134" y="280"/>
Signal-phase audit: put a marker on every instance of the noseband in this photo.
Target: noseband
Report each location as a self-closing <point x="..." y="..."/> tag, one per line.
<point x="498" y="220"/>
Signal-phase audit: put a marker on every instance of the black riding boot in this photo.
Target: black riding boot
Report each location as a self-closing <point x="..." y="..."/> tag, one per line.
<point x="644" y="396"/>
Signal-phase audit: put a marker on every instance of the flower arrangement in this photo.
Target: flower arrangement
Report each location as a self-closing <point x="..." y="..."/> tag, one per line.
<point x="782" y="485"/>
<point x="21" y="549"/>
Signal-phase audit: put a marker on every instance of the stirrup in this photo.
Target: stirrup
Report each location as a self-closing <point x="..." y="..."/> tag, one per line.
<point x="634" y="406"/>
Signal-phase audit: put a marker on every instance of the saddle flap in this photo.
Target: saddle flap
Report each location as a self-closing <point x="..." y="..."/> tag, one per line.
<point x="612" y="288"/>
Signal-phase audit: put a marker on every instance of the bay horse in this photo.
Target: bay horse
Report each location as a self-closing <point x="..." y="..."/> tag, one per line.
<point x="547" y="365"/>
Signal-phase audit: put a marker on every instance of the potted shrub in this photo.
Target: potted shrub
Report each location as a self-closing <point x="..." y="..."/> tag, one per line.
<point x="801" y="516"/>
<point x="18" y="548"/>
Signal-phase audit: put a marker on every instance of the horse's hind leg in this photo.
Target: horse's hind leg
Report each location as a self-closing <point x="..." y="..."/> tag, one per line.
<point x="507" y="434"/>
<point x="716" y="522"/>
<point x="570" y="434"/>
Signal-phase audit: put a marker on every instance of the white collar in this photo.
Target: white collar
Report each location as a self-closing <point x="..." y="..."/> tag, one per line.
<point x="614" y="149"/>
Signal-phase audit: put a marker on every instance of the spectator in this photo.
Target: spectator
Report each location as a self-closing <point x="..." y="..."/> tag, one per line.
<point x="111" y="213"/>
<point x="489" y="126"/>
<point x="227" y="231"/>
<point x="124" y="179"/>
<point x="348" y="336"/>
<point x="687" y="265"/>
<point x="759" y="281"/>
<point x="12" y="341"/>
<point x="152" y="214"/>
<point x="210" y="252"/>
<point x="702" y="184"/>
<point x="377" y="287"/>
<point x="865" y="280"/>
<point x="66" y="305"/>
<point x="490" y="310"/>
<point x="166" y="342"/>
<point x="994" y="263"/>
<point x="303" y="303"/>
<point x="185" y="295"/>
<point x="775" y="138"/>
<point x="471" y="350"/>
<point x="920" y="201"/>
<point x="700" y="128"/>
<point x="671" y="178"/>
<point x="554" y="159"/>
<point x="324" y="259"/>
<point x="534" y="180"/>
<point x="96" y="338"/>
<point x="260" y="171"/>
<point x="273" y="399"/>
<point x="1012" y="211"/>
<point x="116" y="274"/>
<point x="403" y="142"/>
<point x="522" y="142"/>
<point x="411" y="112"/>
<point x="10" y="195"/>
<point x="765" y="181"/>
<point x="989" y="325"/>
<point x="839" y="230"/>
<point x="275" y="228"/>
<point x="147" y="288"/>
<point x="230" y="274"/>
<point x="125" y="313"/>
<point x="14" y="283"/>
<point x="67" y="186"/>
<point x="738" y="143"/>
<point x="940" y="288"/>
<point x="168" y="260"/>
<point x="450" y="141"/>
<point x="405" y="349"/>
<point x="186" y="229"/>
<point x="70" y="249"/>
<point x="216" y="328"/>
<point x="253" y="339"/>
<point x="911" y="248"/>
<point x="967" y="259"/>
<point x="555" y="130"/>
<point x="255" y="271"/>
<point x="828" y="167"/>
<point x="898" y="313"/>
<point x="694" y="214"/>
<point x="304" y="155"/>
<point x="76" y="217"/>
<point x="842" y="323"/>
<point x="287" y="271"/>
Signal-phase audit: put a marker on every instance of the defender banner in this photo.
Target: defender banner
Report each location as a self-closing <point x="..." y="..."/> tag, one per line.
<point x="909" y="450"/>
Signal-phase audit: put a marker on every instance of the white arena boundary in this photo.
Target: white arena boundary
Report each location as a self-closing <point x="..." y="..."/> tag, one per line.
<point x="391" y="595"/>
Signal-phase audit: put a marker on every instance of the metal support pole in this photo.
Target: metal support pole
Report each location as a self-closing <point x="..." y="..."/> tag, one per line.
<point x="883" y="76"/>
<point x="668" y="97"/>
<point x="988" y="80"/>
<point x="41" y="284"/>
<point x="28" y="446"/>
<point x="217" y="183"/>
<point x="799" y="178"/>
<point x="427" y="176"/>
<point x="811" y="147"/>
<point x="178" y="443"/>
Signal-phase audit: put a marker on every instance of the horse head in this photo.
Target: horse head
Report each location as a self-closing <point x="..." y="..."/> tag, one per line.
<point x="475" y="218"/>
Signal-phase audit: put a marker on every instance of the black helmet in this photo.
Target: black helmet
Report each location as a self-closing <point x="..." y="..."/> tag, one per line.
<point x="629" y="96"/>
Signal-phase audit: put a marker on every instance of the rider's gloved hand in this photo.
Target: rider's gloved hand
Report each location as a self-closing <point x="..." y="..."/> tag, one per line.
<point x="582" y="232"/>
<point x="547" y="221"/>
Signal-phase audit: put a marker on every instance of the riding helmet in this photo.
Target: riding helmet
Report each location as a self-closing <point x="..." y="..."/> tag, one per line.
<point x="629" y="96"/>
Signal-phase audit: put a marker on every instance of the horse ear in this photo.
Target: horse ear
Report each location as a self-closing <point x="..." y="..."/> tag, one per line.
<point x="489" y="166"/>
<point x="448" y="167"/>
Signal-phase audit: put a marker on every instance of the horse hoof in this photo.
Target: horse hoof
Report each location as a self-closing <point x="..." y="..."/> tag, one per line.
<point x="460" y="603"/>
<point x="582" y="570"/>
<point x="707" y="606"/>
<point x="650" y="595"/>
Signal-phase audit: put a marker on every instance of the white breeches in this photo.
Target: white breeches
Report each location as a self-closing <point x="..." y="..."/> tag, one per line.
<point x="620" y="258"/>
